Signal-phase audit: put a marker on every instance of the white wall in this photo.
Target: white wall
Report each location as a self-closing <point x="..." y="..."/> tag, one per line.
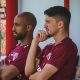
<point x="37" y="7"/>
<point x="75" y="22"/>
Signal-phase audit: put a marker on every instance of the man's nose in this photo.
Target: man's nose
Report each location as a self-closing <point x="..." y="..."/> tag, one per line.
<point x="44" y="25"/>
<point x="13" y="28"/>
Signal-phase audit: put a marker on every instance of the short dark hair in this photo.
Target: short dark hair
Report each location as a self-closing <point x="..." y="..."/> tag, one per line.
<point x="29" y="18"/>
<point x="61" y="13"/>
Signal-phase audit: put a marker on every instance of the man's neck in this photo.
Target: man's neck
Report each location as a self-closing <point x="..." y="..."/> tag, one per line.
<point x="26" y="41"/>
<point x="59" y="37"/>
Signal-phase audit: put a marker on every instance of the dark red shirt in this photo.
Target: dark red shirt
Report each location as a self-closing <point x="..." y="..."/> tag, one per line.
<point x="63" y="56"/>
<point x="17" y="57"/>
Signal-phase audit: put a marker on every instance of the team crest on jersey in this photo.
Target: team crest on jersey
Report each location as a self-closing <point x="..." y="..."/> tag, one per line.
<point x="15" y="55"/>
<point x="38" y="69"/>
<point x="49" y="56"/>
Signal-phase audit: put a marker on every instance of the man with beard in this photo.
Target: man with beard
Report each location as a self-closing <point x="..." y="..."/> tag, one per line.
<point x="58" y="60"/>
<point x="12" y="68"/>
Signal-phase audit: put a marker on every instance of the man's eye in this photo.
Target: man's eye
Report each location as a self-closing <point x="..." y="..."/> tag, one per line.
<point x="17" y="24"/>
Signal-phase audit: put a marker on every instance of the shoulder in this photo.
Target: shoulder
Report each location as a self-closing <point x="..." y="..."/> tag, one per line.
<point x="70" y="44"/>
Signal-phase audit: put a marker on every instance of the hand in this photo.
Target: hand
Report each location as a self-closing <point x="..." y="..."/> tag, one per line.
<point x="41" y="36"/>
<point x="33" y="76"/>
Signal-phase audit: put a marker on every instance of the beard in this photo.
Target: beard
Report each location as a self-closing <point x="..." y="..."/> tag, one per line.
<point x="49" y="35"/>
<point x="20" y="36"/>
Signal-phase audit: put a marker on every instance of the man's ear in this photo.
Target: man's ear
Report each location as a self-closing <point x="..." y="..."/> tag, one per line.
<point x="29" y="27"/>
<point x="60" y="24"/>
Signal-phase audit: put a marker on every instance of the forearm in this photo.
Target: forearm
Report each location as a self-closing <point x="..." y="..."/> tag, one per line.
<point x="33" y="76"/>
<point x="31" y="59"/>
<point x="8" y="72"/>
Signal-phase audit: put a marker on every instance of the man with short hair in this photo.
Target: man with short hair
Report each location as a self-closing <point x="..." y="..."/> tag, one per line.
<point x="57" y="61"/>
<point x="13" y="66"/>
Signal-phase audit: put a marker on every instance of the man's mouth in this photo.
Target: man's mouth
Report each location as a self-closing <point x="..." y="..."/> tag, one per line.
<point x="14" y="34"/>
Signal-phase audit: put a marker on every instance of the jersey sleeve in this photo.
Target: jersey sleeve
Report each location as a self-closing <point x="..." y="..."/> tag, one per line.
<point x="21" y="60"/>
<point x="59" y="57"/>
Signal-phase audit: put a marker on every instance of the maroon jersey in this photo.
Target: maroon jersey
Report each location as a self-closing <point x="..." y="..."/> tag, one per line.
<point x="17" y="57"/>
<point x="63" y="56"/>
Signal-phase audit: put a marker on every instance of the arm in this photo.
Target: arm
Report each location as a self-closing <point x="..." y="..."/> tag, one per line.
<point x="31" y="58"/>
<point x="8" y="72"/>
<point x="33" y="76"/>
<point x="45" y="74"/>
<point x="2" y="62"/>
